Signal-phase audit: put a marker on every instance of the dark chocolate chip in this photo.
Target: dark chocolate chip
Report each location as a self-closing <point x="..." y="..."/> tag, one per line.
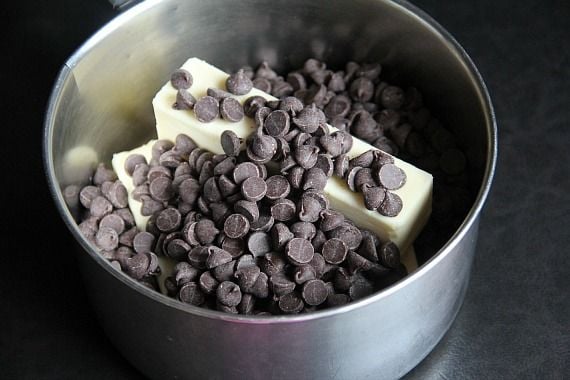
<point x="272" y="263"/>
<point x="304" y="230"/>
<point x="181" y="78"/>
<point x="259" y="243"/>
<point x="391" y="177"/>
<point x="309" y="209"/>
<point x="261" y="287"/>
<point x="281" y="284"/>
<point x="132" y="161"/>
<point x="161" y="189"/>
<point x="107" y="238"/>
<point x="236" y="226"/>
<point x="197" y="257"/>
<point x="393" y="97"/>
<point x="291" y="303"/>
<point x="309" y="118"/>
<point x="315" y="179"/>
<point x="184" y="100"/>
<point x="177" y="249"/>
<point x="391" y="206"/>
<point x="277" y="123"/>
<point x="190" y="293"/>
<point x="299" y="251"/>
<point x="253" y="189"/>
<point x="238" y="83"/>
<point x="252" y="104"/>
<point x="348" y="233"/>
<point x="390" y="255"/>
<point x="243" y="171"/>
<point x="161" y="146"/>
<point x="283" y="210"/>
<point x="277" y="187"/>
<point x="314" y="292"/>
<point x="168" y="219"/>
<point x="297" y="81"/>
<point x="304" y="273"/>
<point x="247" y="304"/>
<point x="206" y="231"/>
<point x="228" y="293"/>
<point x="334" y="251"/>
<point x="231" y="110"/>
<point x="217" y="257"/>
<point x="100" y="206"/>
<point x="361" y="89"/>
<point x="280" y="88"/>
<point x="102" y="174"/>
<point x="246" y="277"/>
<point x="262" y="84"/>
<point x="113" y="221"/>
<point x="208" y="283"/>
<point x="373" y="196"/>
<point x="206" y="109"/>
<point x="295" y="177"/>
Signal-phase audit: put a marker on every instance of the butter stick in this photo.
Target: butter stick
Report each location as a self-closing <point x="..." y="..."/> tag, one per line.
<point x="415" y="194"/>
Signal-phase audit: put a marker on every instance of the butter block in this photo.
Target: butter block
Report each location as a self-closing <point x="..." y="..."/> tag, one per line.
<point x="416" y="193"/>
<point x="118" y="163"/>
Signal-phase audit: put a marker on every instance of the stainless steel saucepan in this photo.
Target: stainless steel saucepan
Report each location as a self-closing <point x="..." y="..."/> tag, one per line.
<point x="101" y="104"/>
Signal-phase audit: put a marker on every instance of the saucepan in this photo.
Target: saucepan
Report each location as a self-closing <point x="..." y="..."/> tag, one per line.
<point x="101" y="104"/>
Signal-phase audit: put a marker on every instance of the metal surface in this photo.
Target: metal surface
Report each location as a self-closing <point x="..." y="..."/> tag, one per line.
<point x="102" y="102"/>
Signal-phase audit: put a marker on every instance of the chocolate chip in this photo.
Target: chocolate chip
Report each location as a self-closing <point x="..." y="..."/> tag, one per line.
<point x="348" y="233"/>
<point x="265" y="71"/>
<point x="334" y="251"/>
<point x="309" y="209"/>
<point x="132" y="161"/>
<point x="304" y="273"/>
<point x="306" y="156"/>
<point x="391" y="206"/>
<point x="87" y="194"/>
<point x="238" y="83"/>
<point x="361" y="89"/>
<point x="161" y="188"/>
<point x="337" y="299"/>
<point x="315" y="179"/>
<point x="291" y="303"/>
<point x="252" y="104"/>
<point x="350" y="177"/>
<point x="263" y="146"/>
<point x="295" y="177"/>
<point x="183" y="144"/>
<point x="181" y="78"/>
<point x="280" y="284"/>
<point x="262" y="84"/>
<point x="243" y="171"/>
<point x="330" y="219"/>
<point x="309" y="118"/>
<point x="100" y="206"/>
<point x="231" y="110"/>
<point x="208" y="283"/>
<point x="206" y="231"/>
<point x="299" y="251"/>
<point x="360" y="287"/>
<point x="102" y="174"/>
<point x="190" y="293"/>
<point x="373" y="196"/>
<point x="277" y="123"/>
<point x="107" y="238"/>
<point x="291" y="104"/>
<point x="263" y="223"/>
<point x="137" y="266"/>
<point x="261" y="287"/>
<point x="113" y="221"/>
<point x="253" y="189"/>
<point x="390" y="255"/>
<point x="197" y="257"/>
<point x="272" y="263"/>
<point x="314" y="292"/>
<point x="126" y="238"/>
<point x="184" y="100"/>
<point x="228" y="293"/>
<point x="393" y="97"/>
<point x="236" y="226"/>
<point x="304" y="230"/>
<point x="217" y="257"/>
<point x="161" y="146"/>
<point x="391" y="177"/>
<point x="259" y="243"/>
<point x="143" y="242"/>
<point x="364" y="178"/>
<point x="168" y="219"/>
<point x="283" y="210"/>
<point x="248" y="209"/>
<point x="177" y="249"/>
<point x="280" y="88"/>
<point x="247" y="304"/>
<point x="297" y="81"/>
<point x="277" y="187"/>
<point x="206" y="109"/>
<point x="246" y="277"/>
<point x="338" y="106"/>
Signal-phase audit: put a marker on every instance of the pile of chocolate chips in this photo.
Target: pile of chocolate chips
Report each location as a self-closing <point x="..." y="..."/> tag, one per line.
<point x="250" y="242"/>
<point x="360" y="99"/>
<point x="108" y="223"/>
<point x="398" y="124"/>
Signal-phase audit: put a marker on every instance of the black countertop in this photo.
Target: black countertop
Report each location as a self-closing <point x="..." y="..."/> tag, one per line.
<point x="515" y="321"/>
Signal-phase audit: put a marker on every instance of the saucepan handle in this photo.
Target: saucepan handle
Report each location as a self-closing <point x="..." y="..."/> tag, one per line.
<point x="123" y="4"/>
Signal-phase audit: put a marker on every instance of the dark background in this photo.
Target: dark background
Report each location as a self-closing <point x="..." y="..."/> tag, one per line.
<point x="515" y="322"/>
